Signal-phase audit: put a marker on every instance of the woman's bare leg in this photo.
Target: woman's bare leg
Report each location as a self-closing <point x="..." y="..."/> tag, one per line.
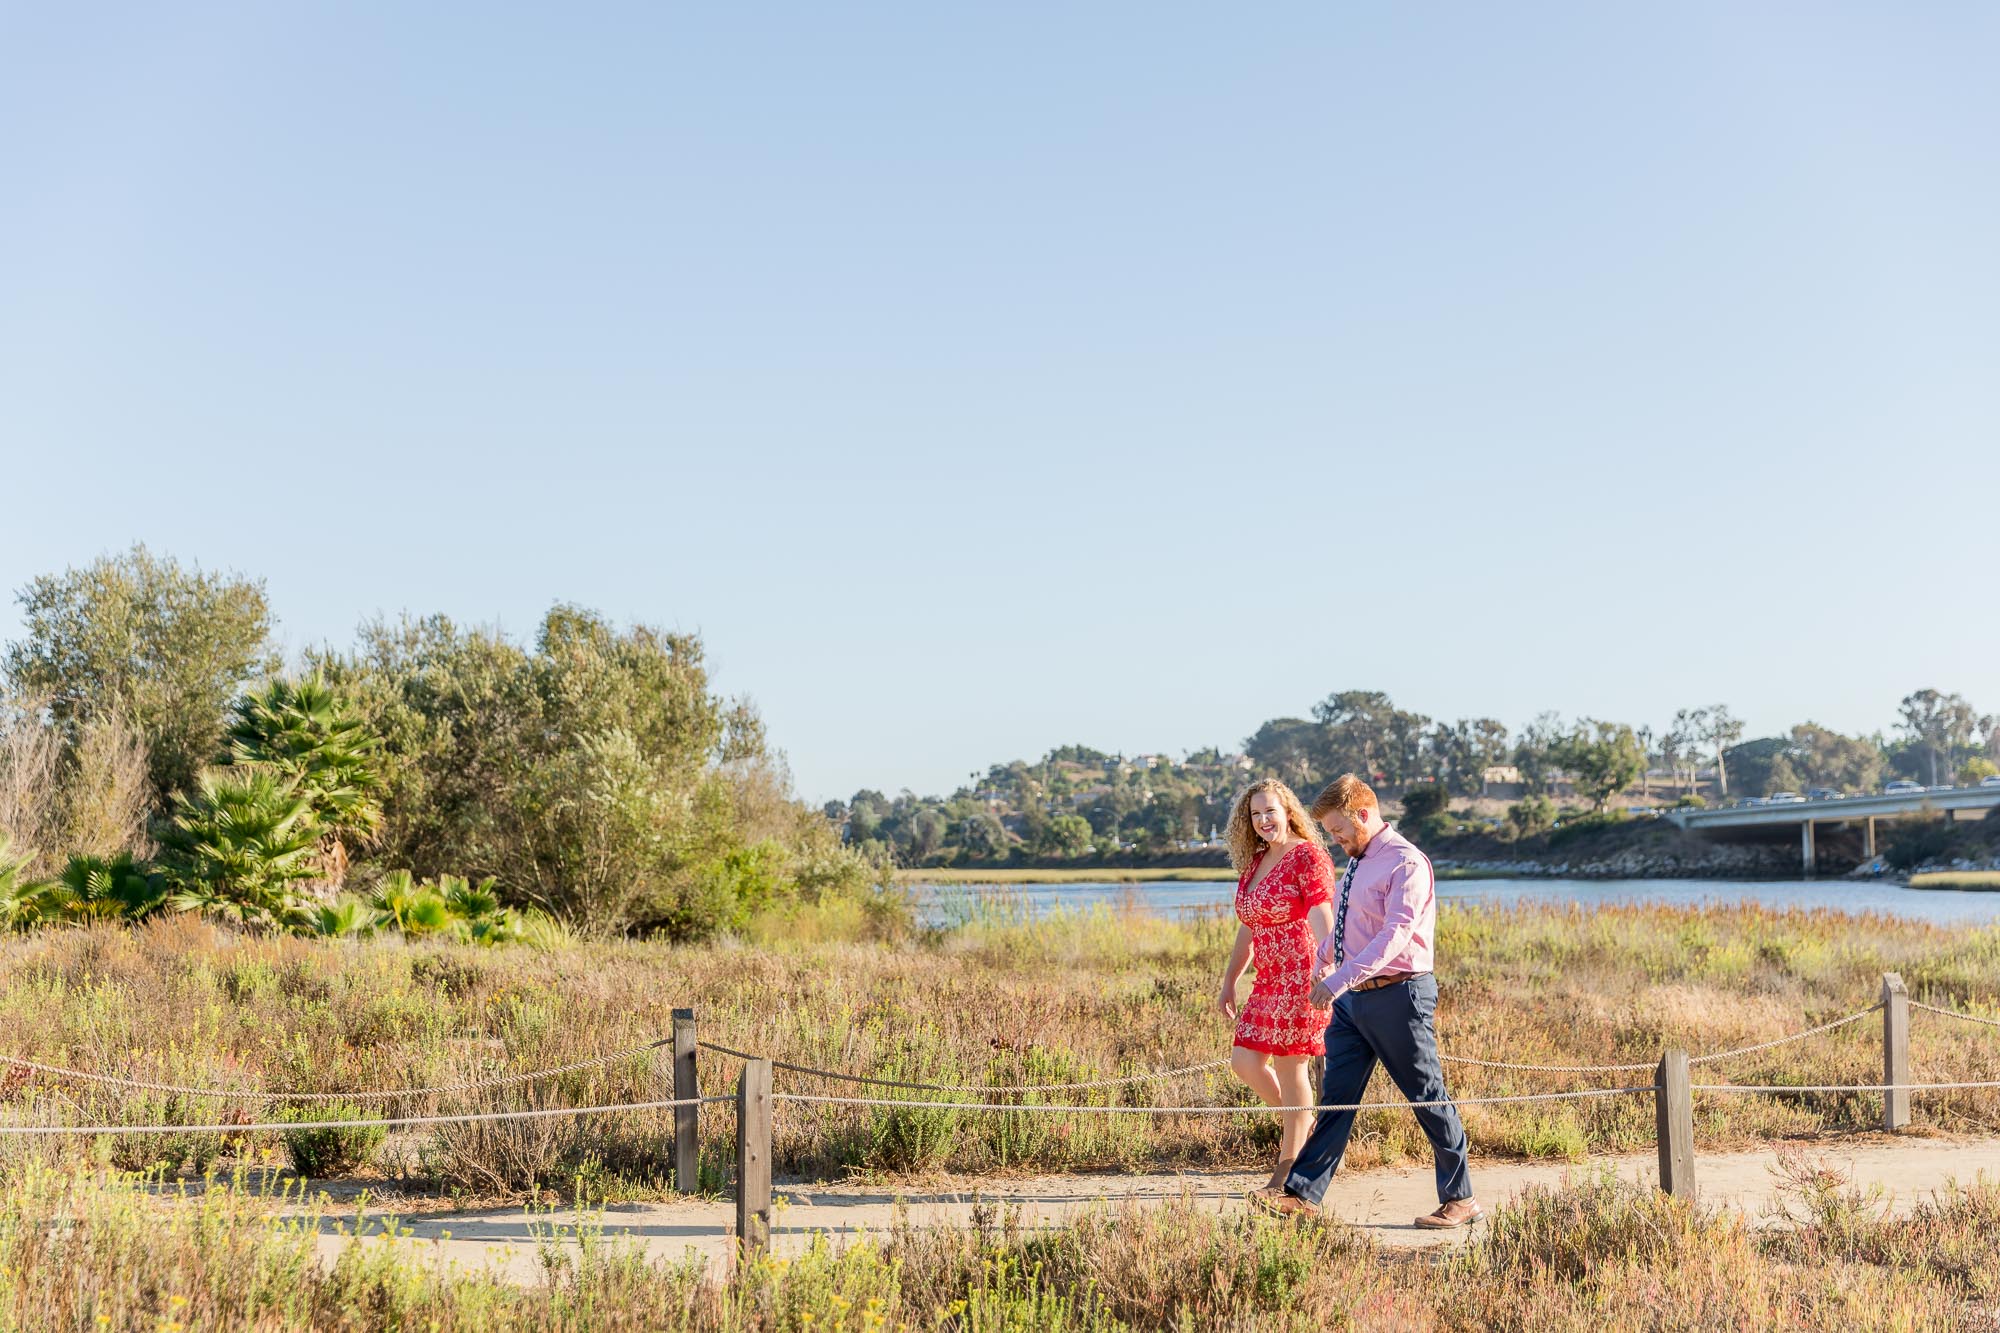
<point x="1293" y="1074"/>
<point x="1256" y="1071"/>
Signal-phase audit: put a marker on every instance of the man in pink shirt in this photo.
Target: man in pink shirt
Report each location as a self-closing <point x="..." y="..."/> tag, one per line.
<point x="1375" y="966"/>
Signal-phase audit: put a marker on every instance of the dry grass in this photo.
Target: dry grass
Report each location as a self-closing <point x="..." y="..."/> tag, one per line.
<point x="1956" y="879"/>
<point x="999" y="1000"/>
<point x="81" y="1252"/>
<point x="1098" y="875"/>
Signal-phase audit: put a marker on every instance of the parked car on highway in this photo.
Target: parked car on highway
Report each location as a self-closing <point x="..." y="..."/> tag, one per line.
<point x="1990" y="782"/>
<point x="1901" y="787"/>
<point x="1784" y="798"/>
<point x="1822" y="794"/>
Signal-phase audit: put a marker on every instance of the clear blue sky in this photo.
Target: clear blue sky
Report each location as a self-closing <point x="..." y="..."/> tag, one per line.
<point x="981" y="378"/>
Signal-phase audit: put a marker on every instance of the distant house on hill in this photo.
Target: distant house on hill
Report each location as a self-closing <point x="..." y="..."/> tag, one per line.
<point x="1502" y="782"/>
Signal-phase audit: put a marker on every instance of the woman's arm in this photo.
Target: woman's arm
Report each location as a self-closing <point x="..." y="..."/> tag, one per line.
<point x="1319" y="918"/>
<point x="1232" y="972"/>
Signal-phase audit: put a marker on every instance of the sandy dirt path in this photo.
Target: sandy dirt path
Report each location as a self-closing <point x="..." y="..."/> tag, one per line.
<point x="1383" y="1203"/>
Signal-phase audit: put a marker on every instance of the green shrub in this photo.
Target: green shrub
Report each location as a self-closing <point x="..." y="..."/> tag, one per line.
<point x="1583" y="825"/>
<point x="331" y="1151"/>
<point x="1530" y="816"/>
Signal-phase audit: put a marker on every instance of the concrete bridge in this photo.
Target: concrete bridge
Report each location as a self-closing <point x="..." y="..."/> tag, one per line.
<point x="1861" y="811"/>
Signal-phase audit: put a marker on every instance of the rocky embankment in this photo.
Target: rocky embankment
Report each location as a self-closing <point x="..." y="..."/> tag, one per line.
<point x="1650" y="850"/>
<point x="1654" y="849"/>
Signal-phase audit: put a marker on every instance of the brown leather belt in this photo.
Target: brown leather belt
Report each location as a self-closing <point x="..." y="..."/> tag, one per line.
<point x="1386" y="979"/>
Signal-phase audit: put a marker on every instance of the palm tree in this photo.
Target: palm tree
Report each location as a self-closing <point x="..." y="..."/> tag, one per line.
<point x="23" y="901"/>
<point x="469" y="901"/>
<point x="395" y="894"/>
<point x="304" y="729"/>
<point x="97" y="888"/>
<point x="239" y="844"/>
<point x="345" y="917"/>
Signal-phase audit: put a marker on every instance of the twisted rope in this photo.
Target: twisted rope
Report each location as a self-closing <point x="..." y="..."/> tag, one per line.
<point x="1165" y="1074"/>
<point x="1123" y="1081"/>
<point x="279" y="1126"/>
<point x="1959" y="1014"/>
<point x="1571" y="1095"/>
<point x="1855" y="1017"/>
<point x="377" y="1095"/>
<point x="1842" y="1087"/>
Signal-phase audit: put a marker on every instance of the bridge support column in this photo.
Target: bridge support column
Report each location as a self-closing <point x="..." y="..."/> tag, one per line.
<point x="1806" y="844"/>
<point x="1868" y="838"/>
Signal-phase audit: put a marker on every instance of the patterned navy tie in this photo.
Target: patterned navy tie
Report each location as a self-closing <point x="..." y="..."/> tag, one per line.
<point x="1340" y="917"/>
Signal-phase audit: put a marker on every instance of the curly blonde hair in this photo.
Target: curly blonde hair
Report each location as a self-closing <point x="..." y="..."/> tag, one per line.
<point x="1245" y="846"/>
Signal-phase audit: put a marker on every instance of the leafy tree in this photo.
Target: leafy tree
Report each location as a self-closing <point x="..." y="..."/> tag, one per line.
<point x="1364" y="732"/>
<point x="594" y="775"/>
<point x="1461" y="752"/>
<point x="1977" y="769"/>
<point x="983" y="837"/>
<point x="1943" y="724"/>
<point x="1680" y="748"/>
<point x="239" y="843"/>
<point x="1289" y="748"/>
<point x="1424" y="806"/>
<point x="1604" y="758"/>
<point x="1763" y="765"/>
<point x="305" y="730"/>
<point x="1717" y="728"/>
<point x="1824" y="758"/>
<point x="143" y="638"/>
<point x="927" y="830"/>
<point x="1538" y="755"/>
<point x="1531" y="815"/>
<point x="1069" y="835"/>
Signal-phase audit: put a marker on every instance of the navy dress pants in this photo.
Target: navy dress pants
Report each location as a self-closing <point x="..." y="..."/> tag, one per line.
<point x="1391" y="1024"/>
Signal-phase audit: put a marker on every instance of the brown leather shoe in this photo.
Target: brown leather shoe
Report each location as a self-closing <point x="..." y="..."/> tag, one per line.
<point x="1282" y="1204"/>
<point x="1457" y="1213"/>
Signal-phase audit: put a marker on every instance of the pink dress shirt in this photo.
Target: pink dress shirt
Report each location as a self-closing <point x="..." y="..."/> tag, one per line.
<point x="1391" y="915"/>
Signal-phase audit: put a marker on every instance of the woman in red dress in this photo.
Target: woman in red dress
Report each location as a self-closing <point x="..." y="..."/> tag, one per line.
<point x="1285" y="880"/>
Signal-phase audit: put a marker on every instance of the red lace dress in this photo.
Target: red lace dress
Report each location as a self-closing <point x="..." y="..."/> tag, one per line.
<point x="1277" y="1018"/>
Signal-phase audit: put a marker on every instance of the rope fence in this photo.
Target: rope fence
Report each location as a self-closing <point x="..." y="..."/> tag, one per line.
<point x="754" y="1098"/>
<point x="396" y="1122"/>
<point x="1568" y="1095"/>
<point x="1959" y="1014"/>
<point x="361" y="1095"/>
<point x="1156" y="1076"/>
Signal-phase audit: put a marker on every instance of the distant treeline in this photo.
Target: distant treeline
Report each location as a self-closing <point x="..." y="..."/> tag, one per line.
<point x="1081" y="803"/>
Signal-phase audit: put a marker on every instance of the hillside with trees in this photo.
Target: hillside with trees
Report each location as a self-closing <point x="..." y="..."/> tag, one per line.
<point x="1463" y="776"/>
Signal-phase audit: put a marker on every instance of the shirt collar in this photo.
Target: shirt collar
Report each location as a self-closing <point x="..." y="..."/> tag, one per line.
<point x="1376" y="841"/>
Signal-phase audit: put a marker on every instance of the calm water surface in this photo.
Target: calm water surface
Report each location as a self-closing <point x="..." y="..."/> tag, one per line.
<point x="944" y="904"/>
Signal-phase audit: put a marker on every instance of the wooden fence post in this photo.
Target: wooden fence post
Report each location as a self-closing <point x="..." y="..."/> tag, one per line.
<point x="687" y="1119"/>
<point x="1673" y="1104"/>
<point x="1895" y="1052"/>
<point x="753" y="1157"/>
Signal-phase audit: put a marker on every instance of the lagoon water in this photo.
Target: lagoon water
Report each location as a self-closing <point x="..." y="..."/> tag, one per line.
<point x="944" y="904"/>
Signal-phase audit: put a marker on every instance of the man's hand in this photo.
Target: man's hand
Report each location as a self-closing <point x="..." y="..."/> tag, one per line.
<point x="1321" y="996"/>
